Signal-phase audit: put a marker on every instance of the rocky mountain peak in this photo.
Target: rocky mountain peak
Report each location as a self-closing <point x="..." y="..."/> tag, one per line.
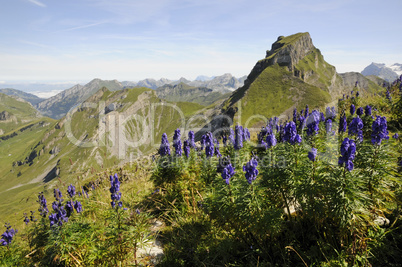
<point x="288" y="51"/>
<point x="285" y="51"/>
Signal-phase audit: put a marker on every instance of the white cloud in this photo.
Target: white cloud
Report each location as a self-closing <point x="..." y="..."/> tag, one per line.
<point x="46" y="94"/>
<point x="36" y="2"/>
<point x="1" y="82"/>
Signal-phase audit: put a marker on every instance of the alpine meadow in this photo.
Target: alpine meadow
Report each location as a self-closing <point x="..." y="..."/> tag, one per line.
<point x="294" y="164"/>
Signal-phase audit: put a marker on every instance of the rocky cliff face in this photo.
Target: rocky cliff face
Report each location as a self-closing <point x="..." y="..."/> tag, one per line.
<point x="298" y="54"/>
<point x="287" y="53"/>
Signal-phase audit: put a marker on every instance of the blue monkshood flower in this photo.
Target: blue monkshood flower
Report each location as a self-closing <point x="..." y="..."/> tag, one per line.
<point x="251" y="170"/>
<point x="114" y="190"/>
<point x="42" y="205"/>
<point x="295" y="115"/>
<point x="356" y="83"/>
<point x="356" y="128"/>
<point x="78" y="206"/>
<point x="357" y="94"/>
<point x="69" y="208"/>
<point x="312" y="123"/>
<point x="164" y="149"/>
<point x="231" y="137"/>
<point x="328" y="125"/>
<point x="312" y="154"/>
<point x="191" y="141"/>
<point x="379" y="130"/>
<point x="59" y="216"/>
<point x="322" y="117"/>
<point x="359" y="111"/>
<point x="238" y="137"/>
<point x="246" y="134"/>
<point x="290" y="134"/>
<point x="32" y="216"/>
<point x="26" y="219"/>
<point x="227" y="173"/>
<point x="281" y="132"/>
<point x="306" y="112"/>
<point x="388" y="95"/>
<point x="395" y="136"/>
<point x="186" y="148"/>
<point x="71" y="191"/>
<point x="271" y="141"/>
<point x="352" y="109"/>
<point x="209" y="145"/>
<point x="57" y="194"/>
<point x="8" y="235"/>
<point x="348" y="152"/>
<point x="367" y="110"/>
<point x="302" y="123"/>
<point x="217" y="152"/>
<point x="203" y="141"/>
<point x="177" y="142"/>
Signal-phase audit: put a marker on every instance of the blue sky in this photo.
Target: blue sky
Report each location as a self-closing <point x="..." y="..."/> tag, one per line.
<point x="78" y="40"/>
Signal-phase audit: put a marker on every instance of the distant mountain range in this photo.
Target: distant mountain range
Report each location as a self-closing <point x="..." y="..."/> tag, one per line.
<point x="204" y="91"/>
<point x="386" y="72"/>
<point x="223" y="83"/>
<point x="33" y="99"/>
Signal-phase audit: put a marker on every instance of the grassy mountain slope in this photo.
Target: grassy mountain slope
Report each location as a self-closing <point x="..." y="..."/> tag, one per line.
<point x="274" y="92"/>
<point x="108" y="129"/>
<point x="186" y="93"/>
<point x="33" y="99"/>
<point x="15" y="113"/>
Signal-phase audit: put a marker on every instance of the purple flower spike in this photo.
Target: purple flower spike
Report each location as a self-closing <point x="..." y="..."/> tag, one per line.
<point x="290" y="134"/>
<point x="367" y="110"/>
<point x="312" y="154"/>
<point x="348" y="152"/>
<point x="356" y="128"/>
<point x="209" y="145"/>
<point x="379" y="130"/>
<point x="8" y="235"/>
<point x="312" y="123"/>
<point x="228" y="173"/>
<point x="164" y="149"/>
<point x="114" y="190"/>
<point x="177" y="142"/>
<point x="191" y="139"/>
<point x="186" y="148"/>
<point x="352" y="109"/>
<point x="71" y="191"/>
<point x="359" y="111"/>
<point x="251" y="170"/>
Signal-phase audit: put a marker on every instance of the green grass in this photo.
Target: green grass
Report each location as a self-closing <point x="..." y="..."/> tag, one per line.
<point x="22" y="112"/>
<point x="273" y="92"/>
